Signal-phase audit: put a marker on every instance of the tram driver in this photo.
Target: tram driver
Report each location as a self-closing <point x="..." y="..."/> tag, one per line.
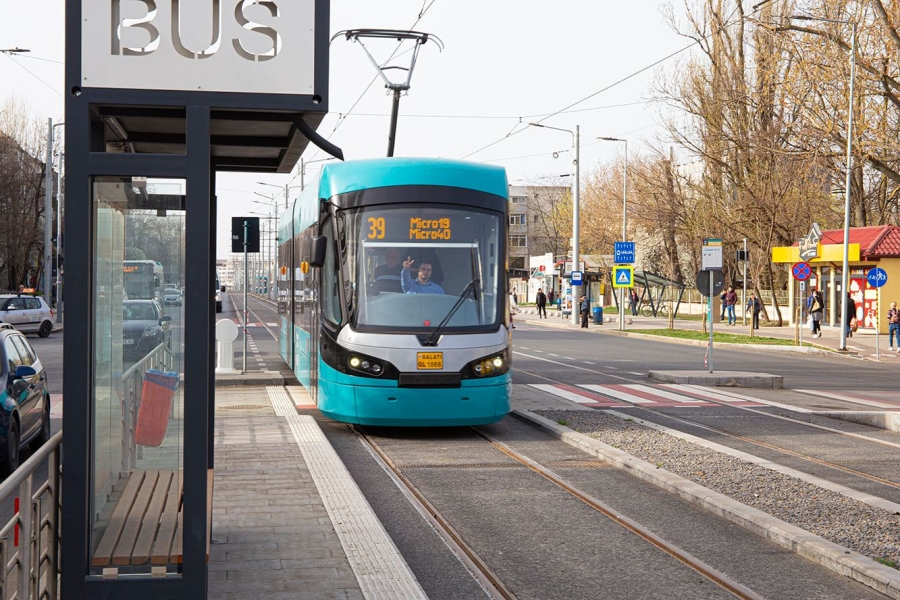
<point x="422" y="284"/>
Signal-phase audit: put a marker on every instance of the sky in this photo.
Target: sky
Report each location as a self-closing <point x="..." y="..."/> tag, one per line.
<point x="504" y="63"/>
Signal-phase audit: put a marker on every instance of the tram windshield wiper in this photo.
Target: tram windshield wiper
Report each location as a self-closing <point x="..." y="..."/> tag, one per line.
<point x="432" y="339"/>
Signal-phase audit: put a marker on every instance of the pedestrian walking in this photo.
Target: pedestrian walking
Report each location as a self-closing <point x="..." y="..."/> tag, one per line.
<point x="816" y="310"/>
<point x="754" y="306"/>
<point x="585" y="307"/>
<point x="541" y="303"/>
<point x="893" y="317"/>
<point x="850" y="317"/>
<point x="551" y="297"/>
<point x="513" y="309"/>
<point x="722" y="303"/>
<point x="633" y="300"/>
<point x="730" y="301"/>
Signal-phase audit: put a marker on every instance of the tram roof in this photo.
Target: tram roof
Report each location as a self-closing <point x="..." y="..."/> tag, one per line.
<point x="351" y="176"/>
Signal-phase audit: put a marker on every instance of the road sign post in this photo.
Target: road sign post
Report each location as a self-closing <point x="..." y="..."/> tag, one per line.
<point x="801" y="272"/>
<point x="711" y="261"/>
<point x="623" y="253"/>
<point x="877" y="277"/>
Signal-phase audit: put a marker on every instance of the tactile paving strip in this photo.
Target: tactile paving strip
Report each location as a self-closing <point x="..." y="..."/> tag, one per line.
<point x="379" y="567"/>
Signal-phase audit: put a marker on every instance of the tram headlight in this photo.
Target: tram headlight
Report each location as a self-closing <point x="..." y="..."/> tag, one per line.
<point x="365" y="365"/>
<point x="491" y="365"/>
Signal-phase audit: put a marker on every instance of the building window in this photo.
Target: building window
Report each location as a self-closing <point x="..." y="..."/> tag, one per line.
<point x="517" y="241"/>
<point x="517" y="219"/>
<point x="519" y="199"/>
<point x="516" y="262"/>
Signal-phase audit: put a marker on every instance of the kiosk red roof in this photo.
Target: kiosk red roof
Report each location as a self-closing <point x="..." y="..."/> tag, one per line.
<point x="881" y="241"/>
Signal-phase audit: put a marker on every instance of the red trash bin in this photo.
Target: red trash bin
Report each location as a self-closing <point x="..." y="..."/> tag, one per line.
<point x="156" y="403"/>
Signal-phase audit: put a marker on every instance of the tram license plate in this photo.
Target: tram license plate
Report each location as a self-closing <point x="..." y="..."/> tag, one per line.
<point x="429" y="360"/>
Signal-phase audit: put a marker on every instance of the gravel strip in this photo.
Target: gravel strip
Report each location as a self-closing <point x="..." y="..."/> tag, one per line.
<point x="871" y="531"/>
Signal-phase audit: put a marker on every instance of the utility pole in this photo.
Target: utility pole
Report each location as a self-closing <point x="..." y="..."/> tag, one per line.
<point x="48" y="214"/>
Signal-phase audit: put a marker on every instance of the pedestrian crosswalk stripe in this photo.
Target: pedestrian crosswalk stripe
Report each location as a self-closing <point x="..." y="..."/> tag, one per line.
<point x="562" y="393"/>
<point x="665" y="394"/>
<point x="723" y="396"/>
<point x="609" y="390"/>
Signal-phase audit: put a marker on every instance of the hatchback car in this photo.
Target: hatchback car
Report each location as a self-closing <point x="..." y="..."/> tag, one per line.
<point x="28" y="314"/>
<point x="172" y="298"/>
<point x="144" y="327"/>
<point x="24" y="399"/>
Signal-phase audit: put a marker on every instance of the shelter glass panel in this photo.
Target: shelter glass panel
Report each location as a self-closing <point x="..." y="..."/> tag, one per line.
<point x="138" y="434"/>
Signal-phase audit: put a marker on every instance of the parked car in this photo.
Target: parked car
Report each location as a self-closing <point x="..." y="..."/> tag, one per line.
<point x="28" y="314"/>
<point x="144" y="327"/>
<point x="24" y="399"/>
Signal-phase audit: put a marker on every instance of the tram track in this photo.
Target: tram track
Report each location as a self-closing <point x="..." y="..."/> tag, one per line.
<point x="490" y="581"/>
<point x="756" y="442"/>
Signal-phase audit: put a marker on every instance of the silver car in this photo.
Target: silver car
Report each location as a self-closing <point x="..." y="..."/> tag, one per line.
<point x="28" y="314"/>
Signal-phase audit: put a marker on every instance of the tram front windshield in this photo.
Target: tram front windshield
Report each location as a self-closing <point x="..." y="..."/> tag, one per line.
<point x="453" y="261"/>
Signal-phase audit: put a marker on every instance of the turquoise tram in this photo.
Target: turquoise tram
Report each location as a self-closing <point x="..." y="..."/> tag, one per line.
<point x="393" y="295"/>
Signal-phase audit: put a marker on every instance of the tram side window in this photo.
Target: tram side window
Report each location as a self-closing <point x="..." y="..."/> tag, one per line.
<point x="330" y="296"/>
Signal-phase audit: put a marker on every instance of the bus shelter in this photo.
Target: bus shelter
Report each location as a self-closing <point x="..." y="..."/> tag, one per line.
<point x="160" y="97"/>
<point x="652" y="294"/>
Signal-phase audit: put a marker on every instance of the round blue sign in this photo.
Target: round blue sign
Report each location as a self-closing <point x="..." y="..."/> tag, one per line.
<point x="877" y="277"/>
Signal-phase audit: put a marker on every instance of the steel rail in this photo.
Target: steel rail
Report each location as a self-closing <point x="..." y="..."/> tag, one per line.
<point x="490" y="582"/>
<point x="682" y="556"/>
<point x="806" y="457"/>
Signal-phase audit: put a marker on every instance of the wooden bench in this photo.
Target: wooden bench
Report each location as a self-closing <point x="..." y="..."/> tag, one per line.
<point x="147" y="525"/>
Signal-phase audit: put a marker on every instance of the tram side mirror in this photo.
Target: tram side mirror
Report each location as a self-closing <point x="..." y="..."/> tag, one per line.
<point x="317" y="251"/>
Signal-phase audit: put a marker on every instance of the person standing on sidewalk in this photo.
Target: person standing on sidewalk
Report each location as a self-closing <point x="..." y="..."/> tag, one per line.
<point x="730" y="301"/>
<point x="893" y="317"/>
<point x="634" y="299"/>
<point x="816" y="310"/>
<point x="754" y="305"/>
<point x="585" y="307"/>
<point x="850" y="317"/>
<point x="541" y="303"/>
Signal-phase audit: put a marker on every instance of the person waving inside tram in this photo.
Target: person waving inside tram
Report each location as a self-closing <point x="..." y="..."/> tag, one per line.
<point x="422" y="284"/>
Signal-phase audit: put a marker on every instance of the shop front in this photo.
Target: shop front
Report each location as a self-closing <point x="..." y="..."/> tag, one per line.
<point x="869" y="247"/>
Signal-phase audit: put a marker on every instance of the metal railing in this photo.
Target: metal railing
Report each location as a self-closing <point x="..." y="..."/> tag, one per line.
<point x="160" y="358"/>
<point x="30" y="540"/>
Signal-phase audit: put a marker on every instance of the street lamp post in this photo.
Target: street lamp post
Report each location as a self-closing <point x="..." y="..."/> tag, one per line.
<point x="845" y="271"/>
<point x="576" y="185"/>
<point x="624" y="222"/>
<point x="283" y="188"/>
<point x="48" y="213"/>
<point x="271" y="273"/>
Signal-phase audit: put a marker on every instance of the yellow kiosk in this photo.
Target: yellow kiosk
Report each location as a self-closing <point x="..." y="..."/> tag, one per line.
<point x="869" y="247"/>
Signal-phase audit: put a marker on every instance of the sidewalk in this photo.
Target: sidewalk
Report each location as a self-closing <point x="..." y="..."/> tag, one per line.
<point x="288" y="520"/>
<point x="861" y="345"/>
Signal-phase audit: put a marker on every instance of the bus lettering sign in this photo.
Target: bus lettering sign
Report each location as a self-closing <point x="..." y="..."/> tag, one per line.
<point x="429" y="229"/>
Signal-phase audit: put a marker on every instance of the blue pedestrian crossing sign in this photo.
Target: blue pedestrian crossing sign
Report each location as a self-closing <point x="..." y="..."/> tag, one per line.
<point x="623" y="276"/>
<point x="877" y="277"/>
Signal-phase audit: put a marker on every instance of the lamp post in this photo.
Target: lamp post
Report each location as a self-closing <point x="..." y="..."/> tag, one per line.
<point x="272" y="250"/>
<point x="576" y="144"/>
<point x="845" y="270"/>
<point x="624" y="222"/>
<point x="303" y="164"/>
<point x="48" y="213"/>
<point x="284" y="188"/>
